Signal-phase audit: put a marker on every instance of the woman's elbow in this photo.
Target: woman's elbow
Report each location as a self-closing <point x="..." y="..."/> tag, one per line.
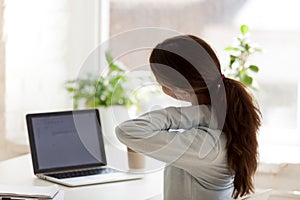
<point x="121" y="135"/>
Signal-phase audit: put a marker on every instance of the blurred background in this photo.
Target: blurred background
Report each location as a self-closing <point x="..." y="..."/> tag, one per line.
<point x="44" y="44"/>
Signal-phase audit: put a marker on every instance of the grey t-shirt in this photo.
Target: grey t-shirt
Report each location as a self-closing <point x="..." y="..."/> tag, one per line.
<point x="186" y="139"/>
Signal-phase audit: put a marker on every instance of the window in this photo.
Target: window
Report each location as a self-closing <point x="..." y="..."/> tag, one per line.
<point x="273" y="25"/>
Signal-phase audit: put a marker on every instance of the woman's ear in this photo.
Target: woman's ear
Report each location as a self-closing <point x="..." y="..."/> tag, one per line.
<point x="178" y="93"/>
<point x="183" y="94"/>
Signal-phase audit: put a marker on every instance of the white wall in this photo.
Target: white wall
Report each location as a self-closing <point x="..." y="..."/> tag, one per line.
<point x="47" y="41"/>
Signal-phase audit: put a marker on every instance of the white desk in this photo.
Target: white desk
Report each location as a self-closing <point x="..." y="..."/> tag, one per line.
<point x="18" y="171"/>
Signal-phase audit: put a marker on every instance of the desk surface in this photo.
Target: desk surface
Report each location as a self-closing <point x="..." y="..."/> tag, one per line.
<point x="18" y="171"/>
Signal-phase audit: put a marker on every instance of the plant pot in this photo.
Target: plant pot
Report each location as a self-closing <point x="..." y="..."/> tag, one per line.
<point x="136" y="161"/>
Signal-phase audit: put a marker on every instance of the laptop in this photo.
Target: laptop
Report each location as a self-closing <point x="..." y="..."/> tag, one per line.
<point x="67" y="147"/>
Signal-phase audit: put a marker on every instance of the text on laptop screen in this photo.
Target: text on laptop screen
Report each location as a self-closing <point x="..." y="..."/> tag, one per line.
<point x="68" y="140"/>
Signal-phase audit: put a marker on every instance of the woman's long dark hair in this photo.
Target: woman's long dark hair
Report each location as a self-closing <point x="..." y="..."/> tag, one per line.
<point x="195" y="65"/>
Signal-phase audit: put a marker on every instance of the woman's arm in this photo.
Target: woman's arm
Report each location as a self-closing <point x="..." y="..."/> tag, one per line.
<point x="157" y="134"/>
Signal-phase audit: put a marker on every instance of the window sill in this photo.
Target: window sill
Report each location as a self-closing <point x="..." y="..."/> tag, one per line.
<point x="271" y="168"/>
<point x="14" y="147"/>
<point x="281" y="194"/>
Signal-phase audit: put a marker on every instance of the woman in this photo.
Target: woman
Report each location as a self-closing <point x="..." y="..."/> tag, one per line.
<point x="210" y="147"/>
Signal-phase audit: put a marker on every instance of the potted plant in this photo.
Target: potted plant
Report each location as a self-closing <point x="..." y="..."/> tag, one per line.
<point x="239" y="66"/>
<point x="112" y="95"/>
<point x="108" y="92"/>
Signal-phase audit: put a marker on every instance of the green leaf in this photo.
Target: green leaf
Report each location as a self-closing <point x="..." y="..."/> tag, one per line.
<point x="254" y="68"/>
<point x="108" y="57"/>
<point x="247" y="80"/>
<point x="70" y="89"/>
<point x="244" y="29"/>
<point x="114" y="67"/>
<point x="229" y="48"/>
<point x="257" y="50"/>
<point x="232" y="60"/>
<point x="247" y="47"/>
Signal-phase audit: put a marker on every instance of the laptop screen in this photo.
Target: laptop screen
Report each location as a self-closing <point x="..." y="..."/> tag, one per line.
<point x="65" y="140"/>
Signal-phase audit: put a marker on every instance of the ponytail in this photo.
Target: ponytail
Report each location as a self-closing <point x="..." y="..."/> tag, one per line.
<point x="241" y="125"/>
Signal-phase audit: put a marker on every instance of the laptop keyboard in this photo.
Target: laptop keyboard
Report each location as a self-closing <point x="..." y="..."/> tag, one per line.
<point x="83" y="173"/>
